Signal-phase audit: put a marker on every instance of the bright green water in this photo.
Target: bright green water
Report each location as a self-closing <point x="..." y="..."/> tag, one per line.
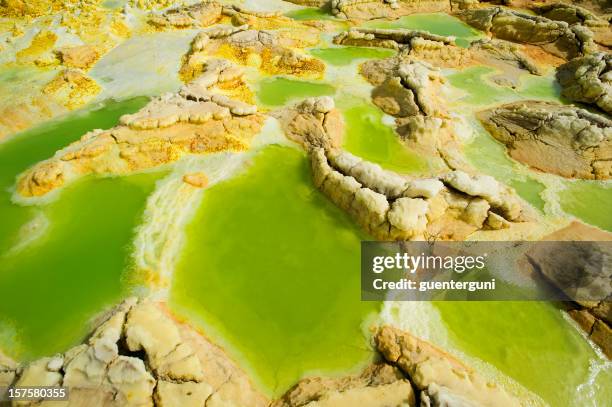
<point x="278" y="91"/>
<point x="51" y="288"/>
<point x="589" y="201"/>
<point x="369" y="138"/>
<point x="490" y="157"/>
<point x="309" y="13"/>
<point x="530" y="190"/>
<point x="482" y="92"/>
<point x="346" y="55"/>
<point x="271" y="268"/>
<point x="530" y="342"/>
<point x="437" y="23"/>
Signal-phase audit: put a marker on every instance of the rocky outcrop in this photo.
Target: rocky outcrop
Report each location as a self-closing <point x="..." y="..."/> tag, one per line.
<point x="558" y="139"/>
<point x="589" y="80"/>
<point x="193" y="16"/>
<point x="310" y="3"/>
<point x="507" y="57"/>
<point x="438" y="378"/>
<point x="556" y="37"/>
<point x="393" y="207"/>
<point x="81" y="56"/>
<point x="68" y="89"/>
<point x="441" y="51"/>
<point x="72" y="88"/>
<point x="570" y="13"/>
<point x="380" y="385"/>
<point x="397" y="39"/>
<point x="314" y="122"/>
<point x="391" y="9"/>
<point x="141" y="356"/>
<point x="412" y="92"/>
<point x="202" y="117"/>
<point x="273" y="52"/>
<point x="574" y="14"/>
<point x="594" y="317"/>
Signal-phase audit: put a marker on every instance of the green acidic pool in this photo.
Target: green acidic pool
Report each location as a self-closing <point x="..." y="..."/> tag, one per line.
<point x="278" y="91"/>
<point x="480" y="91"/>
<point x="346" y="55"/>
<point x="369" y="138"/>
<point x="271" y="269"/>
<point x="309" y="13"/>
<point x="530" y="342"/>
<point x="589" y="201"/>
<point x="51" y="287"/>
<point x="437" y="23"/>
<point x="489" y="156"/>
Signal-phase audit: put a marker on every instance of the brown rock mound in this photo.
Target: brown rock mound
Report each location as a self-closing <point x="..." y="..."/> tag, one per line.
<point x="314" y="122"/>
<point x="555" y="37"/>
<point x="589" y="80"/>
<point x="595" y="318"/>
<point x="391" y="9"/>
<point x="379" y="385"/>
<point x="440" y="379"/>
<point x="273" y="52"/>
<point x="553" y="138"/>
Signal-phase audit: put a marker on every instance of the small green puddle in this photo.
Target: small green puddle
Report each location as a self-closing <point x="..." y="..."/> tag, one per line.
<point x="309" y="13"/>
<point x="531" y="191"/>
<point x="490" y="157"/>
<point x="480" y="91"/>
<point x="271" y="269"/>
<point x="52" y="287"/>
<point x="530" y="342"/>
<point x="589" y="201"/>
<point x="346" y="55"/>
<point x="278" y="91"/>
<point x="437" y="23"/>
<point x="369" y="138"/>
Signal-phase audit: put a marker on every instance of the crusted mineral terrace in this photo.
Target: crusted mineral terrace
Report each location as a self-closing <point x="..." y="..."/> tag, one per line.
<point x="272" y="51"/>
<point x="553" y="138"/>
<point x="141" y="355"/>
<point x="394" y="207"/>
<point x="313" y="122"/>
<point x="371" y="9"/>
<point x="412" y="91"/>
<point x="589" y="80"/>
<point x="511" y="59"/>
<point x="556" y="37"/>
<point x="199" y="118"/>
<point x="575" y="14"/>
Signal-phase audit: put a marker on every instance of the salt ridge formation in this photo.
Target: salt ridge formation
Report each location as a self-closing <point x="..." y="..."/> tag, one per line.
<point x="392" y="207"/>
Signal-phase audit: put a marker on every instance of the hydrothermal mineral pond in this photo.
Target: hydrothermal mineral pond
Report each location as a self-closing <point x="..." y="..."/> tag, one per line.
<point x="204" y="246"/>
<point x="43" y="248"/>
<point x="278" y="322"/>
